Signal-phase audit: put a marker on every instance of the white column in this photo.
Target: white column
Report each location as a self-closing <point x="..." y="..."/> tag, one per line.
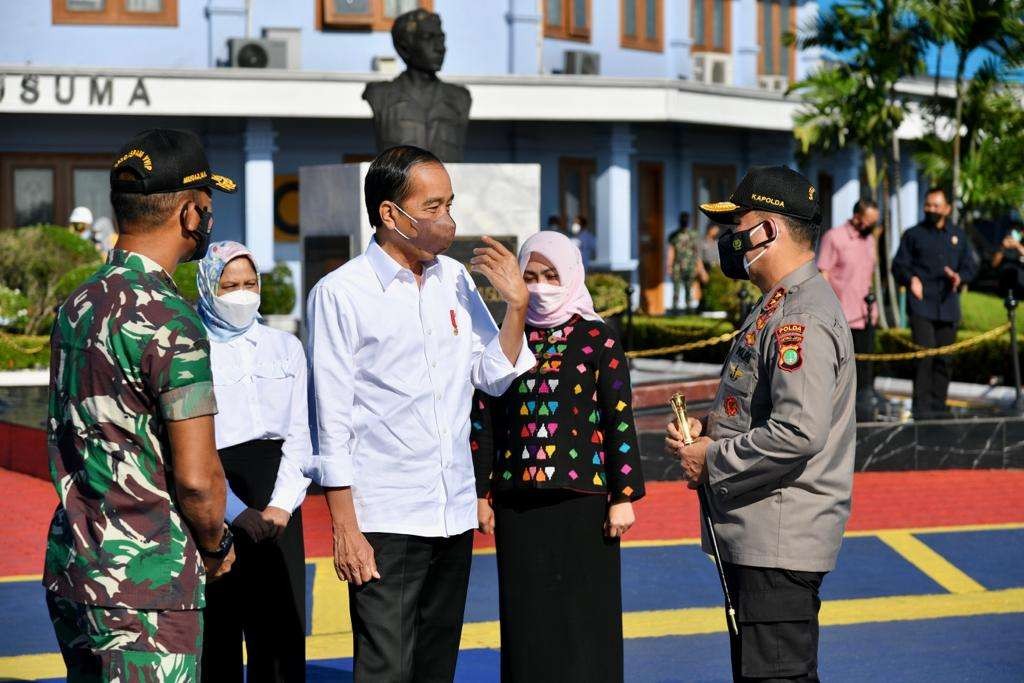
<point x="806" y="60"/>
<point x="846" y="179"/>
<point x="258" y="187"/>
<point x="911" y="202"/>
<point x="614" y="202"/>
<point x="744" y="40"/>
<point x="524" y="37"/>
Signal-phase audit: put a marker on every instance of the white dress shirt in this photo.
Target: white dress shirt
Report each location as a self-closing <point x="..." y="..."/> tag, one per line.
<point x="393" y="370"/>
<point x="259" y="378"/>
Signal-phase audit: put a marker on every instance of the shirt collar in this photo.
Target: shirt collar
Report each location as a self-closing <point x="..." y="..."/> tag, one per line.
<point x="798" y="276"/>
<point x="140" y="263"/>
<point x="387" y="269"/>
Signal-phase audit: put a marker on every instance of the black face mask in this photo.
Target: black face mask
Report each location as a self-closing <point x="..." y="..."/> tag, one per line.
<point x="202" y="233"/>
<point x="733" y="246"/>
<point x="932" y="218"/>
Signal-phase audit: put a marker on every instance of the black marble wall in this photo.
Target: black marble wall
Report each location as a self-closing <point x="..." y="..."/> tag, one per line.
<point x="980" y="443"/>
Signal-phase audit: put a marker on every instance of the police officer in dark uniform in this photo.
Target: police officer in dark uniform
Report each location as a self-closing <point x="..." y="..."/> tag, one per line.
<point x="778" y="455"/>
<point x="935" y="260"/>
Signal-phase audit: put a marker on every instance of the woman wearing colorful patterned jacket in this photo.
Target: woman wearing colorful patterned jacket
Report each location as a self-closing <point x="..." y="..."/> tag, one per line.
<point x="557" y="471"/>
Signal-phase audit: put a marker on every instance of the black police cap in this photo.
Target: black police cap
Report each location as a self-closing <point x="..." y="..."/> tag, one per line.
<point x="165" y="160"/>
<point x="777" y="189"/>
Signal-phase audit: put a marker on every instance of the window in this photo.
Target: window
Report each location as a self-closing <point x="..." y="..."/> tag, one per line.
<point x="641" y="22"/>
<point x="711" y="20"/>
<point x="126" y="12"/>
<point x="775" y="18"/>
<point x="44" y="188"/>
<point x="711" y="184"/>
<point x="577" y="182"/>
<point x="567" y="19"/>
<point x="373" y="15"/>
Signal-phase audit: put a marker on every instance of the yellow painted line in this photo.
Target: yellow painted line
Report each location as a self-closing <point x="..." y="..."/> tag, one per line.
<point x="652" y="624"/>
<point x="15" y="578"/>
<point x="330" y="599"/>
<point x="940" y="529"/>
<point x="935" y="566"/>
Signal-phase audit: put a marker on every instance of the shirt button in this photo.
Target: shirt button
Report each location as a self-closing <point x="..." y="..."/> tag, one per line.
<point x="722" y="490"/>
<point x="428" y="333"/>
<point x="434" y="364"/>
<point x="438" y="396"/>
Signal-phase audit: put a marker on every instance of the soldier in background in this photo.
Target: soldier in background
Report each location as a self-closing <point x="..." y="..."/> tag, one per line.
<point x="140" y="517"/>
<point x="684" y="263"/>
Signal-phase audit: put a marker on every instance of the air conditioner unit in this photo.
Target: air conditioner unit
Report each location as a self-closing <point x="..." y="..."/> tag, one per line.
<point x="258" y="54"/>
<point x="773" y="83"/>
<point x="384" y="64"/>
<point x="712" y="68"/>
<point x="581" y="62"/>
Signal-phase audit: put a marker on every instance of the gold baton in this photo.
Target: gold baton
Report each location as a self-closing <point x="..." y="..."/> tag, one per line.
<point x="679" y="408"/>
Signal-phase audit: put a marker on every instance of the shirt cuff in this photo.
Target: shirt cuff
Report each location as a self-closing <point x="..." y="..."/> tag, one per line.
<point x="234" y="507"/>
<point x="191" y="400"/>
<point x="496" y="372"/>
<point x="331" y="471"/>
<point x="716" y="478"/>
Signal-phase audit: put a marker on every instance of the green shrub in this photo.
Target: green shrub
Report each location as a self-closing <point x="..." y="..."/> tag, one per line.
<point x="981" y="312"/>
<point x="608" y="291"/>
<point x="277" y="292"/>
<point x="987" y="362"/>
<point x="723" y="294"/>
<point x="22" y="352"/>
<point x="13" y="309"/>
<point x="33" y="260"/>
<point x="185" y="279"/>
<point x="651" y="332"/>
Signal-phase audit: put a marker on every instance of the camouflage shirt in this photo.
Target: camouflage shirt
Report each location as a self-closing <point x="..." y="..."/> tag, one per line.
<point x="685" y="244"/>
<point x="128" y="355"/>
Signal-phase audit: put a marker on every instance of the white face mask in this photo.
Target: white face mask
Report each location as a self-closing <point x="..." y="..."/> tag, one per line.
<point x="764" y="250"/>
<point x="575" y="228"/>
<point x="545" y="298"/>
<point x="237" y="308"/>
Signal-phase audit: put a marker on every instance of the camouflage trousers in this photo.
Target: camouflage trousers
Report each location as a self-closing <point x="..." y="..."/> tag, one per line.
<point x="121" y="645"/>
<point x="681" y="281"/>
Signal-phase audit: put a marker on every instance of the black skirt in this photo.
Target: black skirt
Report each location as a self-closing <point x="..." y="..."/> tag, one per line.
<point x="263" y="597"/>
<point x="560" y="590"/>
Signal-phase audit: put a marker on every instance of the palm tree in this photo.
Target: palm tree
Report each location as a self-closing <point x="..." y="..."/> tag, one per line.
<point x="972" y="26"/>
<point x="877" y="43"/>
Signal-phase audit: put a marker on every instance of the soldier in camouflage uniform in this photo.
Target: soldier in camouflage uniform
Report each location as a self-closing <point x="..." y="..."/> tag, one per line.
<point x="132" y="455"/>
<point x="683" y="261"/>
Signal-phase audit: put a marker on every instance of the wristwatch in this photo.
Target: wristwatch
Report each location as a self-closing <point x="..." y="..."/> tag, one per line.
<point x="222" y="549"/>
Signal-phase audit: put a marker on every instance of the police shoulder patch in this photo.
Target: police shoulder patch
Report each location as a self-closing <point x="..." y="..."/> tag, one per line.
<point x="789" y="338"/>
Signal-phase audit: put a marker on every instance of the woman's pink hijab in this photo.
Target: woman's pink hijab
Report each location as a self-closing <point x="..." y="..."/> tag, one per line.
<point x="566" y="258"/>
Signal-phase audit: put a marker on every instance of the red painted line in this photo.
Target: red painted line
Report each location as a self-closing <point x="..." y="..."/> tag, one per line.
<point x="881" y="500"/>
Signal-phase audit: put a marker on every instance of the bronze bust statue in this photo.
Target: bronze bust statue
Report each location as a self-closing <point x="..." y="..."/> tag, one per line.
<point x="417" y="108"/>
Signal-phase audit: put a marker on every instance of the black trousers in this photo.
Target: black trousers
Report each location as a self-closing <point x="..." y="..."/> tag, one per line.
<point x="777" y="610"/>
<point x="864" y="342"/>
<point x="559" y="589"/>
<point x="407" y="625"/>
<point x="263" y="598"/>
<point x="931" y="377"/>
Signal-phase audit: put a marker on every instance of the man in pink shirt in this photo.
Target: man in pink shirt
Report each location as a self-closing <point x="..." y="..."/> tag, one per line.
<point x="847" y="260"/>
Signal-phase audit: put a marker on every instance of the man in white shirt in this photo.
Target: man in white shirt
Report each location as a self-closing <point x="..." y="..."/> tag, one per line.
<point x="399" y="337"/>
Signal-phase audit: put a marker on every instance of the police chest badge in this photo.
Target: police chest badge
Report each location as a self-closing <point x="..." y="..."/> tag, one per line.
<point x="731" y="406"/>
<point x="790" y="341"/>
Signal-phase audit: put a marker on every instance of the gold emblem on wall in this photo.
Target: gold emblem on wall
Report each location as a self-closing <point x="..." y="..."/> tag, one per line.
<point x="286" y="208"/>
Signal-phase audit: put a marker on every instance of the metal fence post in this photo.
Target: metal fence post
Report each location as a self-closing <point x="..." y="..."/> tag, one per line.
<point x="1011" y="312"/>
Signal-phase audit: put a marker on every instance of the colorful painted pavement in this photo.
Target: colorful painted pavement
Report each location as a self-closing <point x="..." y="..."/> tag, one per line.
<point x="929" y="587"/>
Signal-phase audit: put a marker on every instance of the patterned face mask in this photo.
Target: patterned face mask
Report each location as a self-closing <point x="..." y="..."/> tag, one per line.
<point x="433" y="237"/>
<point x="733" y="247"/>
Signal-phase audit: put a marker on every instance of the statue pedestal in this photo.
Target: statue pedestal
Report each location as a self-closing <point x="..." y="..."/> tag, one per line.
<point x="500" y="200"/>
